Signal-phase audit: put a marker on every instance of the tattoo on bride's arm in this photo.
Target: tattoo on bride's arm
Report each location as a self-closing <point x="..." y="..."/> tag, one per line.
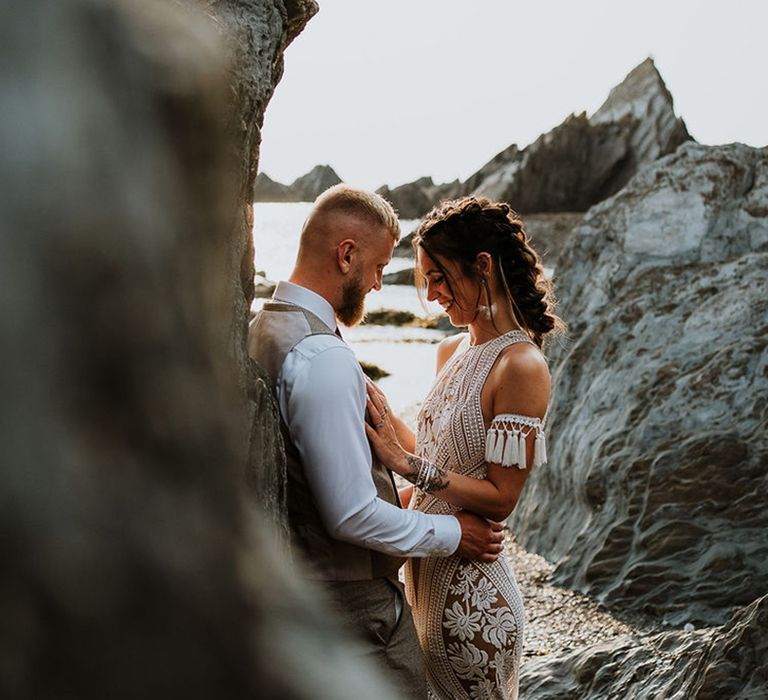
<point x="425" y="475"/>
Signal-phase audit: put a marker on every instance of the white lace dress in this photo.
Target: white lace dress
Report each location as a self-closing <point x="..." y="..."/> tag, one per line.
<point x="468" y="615"/>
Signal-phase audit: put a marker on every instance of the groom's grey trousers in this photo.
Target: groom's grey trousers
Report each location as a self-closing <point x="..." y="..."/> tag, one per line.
<point x="378" y="615"/>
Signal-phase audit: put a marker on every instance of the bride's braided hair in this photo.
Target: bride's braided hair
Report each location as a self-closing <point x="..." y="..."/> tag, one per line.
<point x="459" y="229"/>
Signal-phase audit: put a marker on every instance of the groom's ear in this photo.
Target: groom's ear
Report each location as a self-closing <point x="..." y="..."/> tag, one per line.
<point x="345" y="254"/>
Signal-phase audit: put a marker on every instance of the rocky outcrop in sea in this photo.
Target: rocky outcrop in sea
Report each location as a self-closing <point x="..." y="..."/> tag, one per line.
<point x="303" y="189"/>
<point x="577" y="164"/>
<point x="654" y="496"/>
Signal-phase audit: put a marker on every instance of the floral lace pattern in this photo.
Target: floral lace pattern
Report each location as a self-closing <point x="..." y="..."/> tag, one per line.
<point x="469" y="615"/>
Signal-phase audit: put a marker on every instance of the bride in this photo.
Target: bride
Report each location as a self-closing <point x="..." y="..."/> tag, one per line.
<point x="480" y="431"/>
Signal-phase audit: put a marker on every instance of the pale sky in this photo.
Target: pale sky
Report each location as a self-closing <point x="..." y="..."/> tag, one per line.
<point x="386" y="91"/>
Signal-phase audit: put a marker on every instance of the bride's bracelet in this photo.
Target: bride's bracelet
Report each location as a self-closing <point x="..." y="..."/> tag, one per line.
<point x="424" y="475"/>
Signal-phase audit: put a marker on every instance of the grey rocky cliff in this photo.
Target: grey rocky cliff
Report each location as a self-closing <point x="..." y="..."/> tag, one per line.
<point x="134" y="565"/>
<point x="654" y="495"/>
<point x="303" y="189"/>
<point x="577" y="164"/>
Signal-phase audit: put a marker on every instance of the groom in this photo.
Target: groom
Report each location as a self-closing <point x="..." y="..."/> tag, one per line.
<point x="343" y="508"/>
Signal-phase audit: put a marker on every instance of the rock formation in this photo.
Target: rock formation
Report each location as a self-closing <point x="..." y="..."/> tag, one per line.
<point x="302" y="189"/>
<point x="265" y="189"/>
<point x="584" y="160"/>
<point x="728" y="662"/>
<point x="316" y="181"/>
<point x="577" y="164"/>
<point x="134" y="565"/>
<point x="414" y="199"/>
<point x="654" y="496"/>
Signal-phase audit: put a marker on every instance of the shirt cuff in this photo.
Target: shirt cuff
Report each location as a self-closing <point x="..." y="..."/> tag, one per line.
<point x="447" y="535"/>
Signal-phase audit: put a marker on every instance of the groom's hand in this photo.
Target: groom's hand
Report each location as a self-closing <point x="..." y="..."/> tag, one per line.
<point x="481" y="539"/>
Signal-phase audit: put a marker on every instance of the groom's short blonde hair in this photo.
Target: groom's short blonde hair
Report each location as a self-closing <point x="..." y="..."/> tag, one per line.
<point x="369" y="206"/>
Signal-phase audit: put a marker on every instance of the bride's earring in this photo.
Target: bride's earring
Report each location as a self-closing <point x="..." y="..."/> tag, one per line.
<point x="486" y="311"/>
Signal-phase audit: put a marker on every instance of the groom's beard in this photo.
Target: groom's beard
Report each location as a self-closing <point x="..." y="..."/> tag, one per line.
<point x="352" y="307"/>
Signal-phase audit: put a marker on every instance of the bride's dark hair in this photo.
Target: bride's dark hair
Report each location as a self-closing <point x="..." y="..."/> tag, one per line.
<point x="459" y="229"/>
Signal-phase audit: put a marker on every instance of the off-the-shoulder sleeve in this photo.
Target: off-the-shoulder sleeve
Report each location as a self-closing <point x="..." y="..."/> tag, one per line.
<point x="505" y="441"/>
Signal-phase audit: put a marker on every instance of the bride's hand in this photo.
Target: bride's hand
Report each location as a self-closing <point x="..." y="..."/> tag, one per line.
<point x="375" y="392"/>
<point x="381" y="433"/>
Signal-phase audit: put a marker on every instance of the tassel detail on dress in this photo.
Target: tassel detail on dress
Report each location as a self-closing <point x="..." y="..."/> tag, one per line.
<point x="522" y="455"/>
<point x="540" y="450"/>
<point x="506" y="441"/>
<point x="490" y="444"/>
<point x="498" y="448"/>
<point x="510" y="451"/>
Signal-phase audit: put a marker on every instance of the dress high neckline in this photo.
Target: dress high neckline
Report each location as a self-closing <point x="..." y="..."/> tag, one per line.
<point x="502" y="335"/>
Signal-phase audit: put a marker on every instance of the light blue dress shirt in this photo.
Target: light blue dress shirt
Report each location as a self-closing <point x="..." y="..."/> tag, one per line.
<point x="322" y="397"/>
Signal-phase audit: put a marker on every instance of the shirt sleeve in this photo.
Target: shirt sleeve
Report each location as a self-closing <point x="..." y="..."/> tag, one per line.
<point x="323" y="401"/>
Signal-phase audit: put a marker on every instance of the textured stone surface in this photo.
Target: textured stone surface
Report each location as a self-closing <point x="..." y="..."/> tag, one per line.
<point x="577" y="164"/>
<point x="133" y="567"/>
<point x="654" y="497"/>
<point x="726" y="662"/>
<point x="302" y="189"/>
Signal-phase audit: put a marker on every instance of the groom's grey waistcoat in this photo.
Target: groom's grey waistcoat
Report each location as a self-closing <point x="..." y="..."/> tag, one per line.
<point x="275" y="331"/>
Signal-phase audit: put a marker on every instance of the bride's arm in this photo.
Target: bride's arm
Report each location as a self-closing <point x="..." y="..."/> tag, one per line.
<point x="519" y="385"/>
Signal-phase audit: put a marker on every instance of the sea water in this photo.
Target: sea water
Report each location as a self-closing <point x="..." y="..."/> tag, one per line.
<point x="407" y="354"/>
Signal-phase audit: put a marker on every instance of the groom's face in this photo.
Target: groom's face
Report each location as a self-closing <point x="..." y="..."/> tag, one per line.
<point x="375" y="252"/>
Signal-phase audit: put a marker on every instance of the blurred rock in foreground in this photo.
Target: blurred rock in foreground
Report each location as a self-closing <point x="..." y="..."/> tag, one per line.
<point x="654" y="496"/>
<point x="133" y="565"/>
<point x="577" y="164"/>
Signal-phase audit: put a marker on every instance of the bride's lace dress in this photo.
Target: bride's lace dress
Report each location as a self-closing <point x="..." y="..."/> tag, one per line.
<point x="469" y="615"/>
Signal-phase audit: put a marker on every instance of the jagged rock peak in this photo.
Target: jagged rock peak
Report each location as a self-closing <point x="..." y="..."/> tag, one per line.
<point x="633" y="95"/>
<point x="578" y="163"/>
<point x="302" y="189"/>
<point x="317" y="180"/>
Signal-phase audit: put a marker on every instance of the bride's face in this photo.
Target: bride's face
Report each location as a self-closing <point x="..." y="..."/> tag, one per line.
<point x="456" y="292"/>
